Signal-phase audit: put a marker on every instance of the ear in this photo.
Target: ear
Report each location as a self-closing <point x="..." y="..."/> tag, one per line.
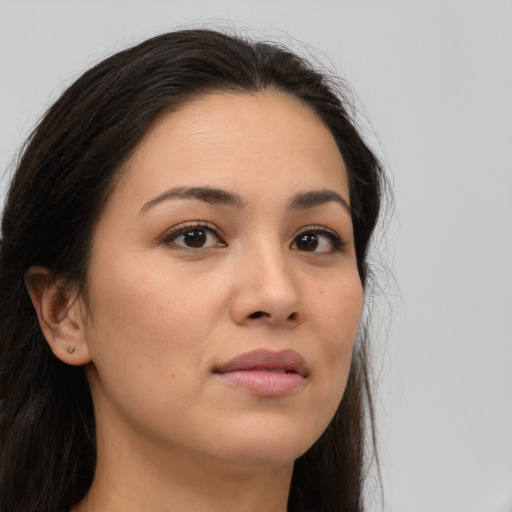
<point x="60" y="315"/>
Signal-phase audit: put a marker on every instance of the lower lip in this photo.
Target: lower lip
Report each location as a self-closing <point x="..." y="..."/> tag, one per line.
<point x="264" y="383"/>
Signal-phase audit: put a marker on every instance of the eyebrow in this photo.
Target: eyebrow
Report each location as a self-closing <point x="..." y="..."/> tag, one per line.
<point x="316" y="198"/>
<point x="206" y="194"/>
<point x="301" y="201"/>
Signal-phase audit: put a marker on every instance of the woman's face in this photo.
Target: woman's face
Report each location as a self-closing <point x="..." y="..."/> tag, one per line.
<point x="223" y="294"/>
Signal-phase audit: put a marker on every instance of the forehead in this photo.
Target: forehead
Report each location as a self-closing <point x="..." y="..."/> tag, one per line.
<point x="237" y="140"/>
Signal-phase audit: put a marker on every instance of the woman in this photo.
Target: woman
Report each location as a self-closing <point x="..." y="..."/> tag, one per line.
<point x="183" y="266"/>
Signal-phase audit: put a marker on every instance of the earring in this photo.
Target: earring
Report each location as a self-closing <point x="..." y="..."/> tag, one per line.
<point x="71" y="350"/>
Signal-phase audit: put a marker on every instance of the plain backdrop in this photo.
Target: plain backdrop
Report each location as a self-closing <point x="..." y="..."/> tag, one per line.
<point x="435" y="80"/>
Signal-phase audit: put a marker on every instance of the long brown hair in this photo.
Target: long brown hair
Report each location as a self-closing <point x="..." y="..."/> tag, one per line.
<point x="66" y="172"/>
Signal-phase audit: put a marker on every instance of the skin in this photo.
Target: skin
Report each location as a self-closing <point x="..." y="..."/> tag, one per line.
<point x="160" y="316"/>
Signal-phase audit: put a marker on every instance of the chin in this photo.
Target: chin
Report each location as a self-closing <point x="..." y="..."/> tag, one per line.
<point x="270" y="444"/>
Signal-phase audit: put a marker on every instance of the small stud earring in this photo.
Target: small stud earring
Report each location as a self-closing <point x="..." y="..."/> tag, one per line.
<point x="71" y="350"/>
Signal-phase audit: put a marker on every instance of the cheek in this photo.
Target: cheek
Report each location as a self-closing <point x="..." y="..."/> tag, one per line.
<point x="338" y="308"/>
<point x="338" y="311"/>
<point x="151" y="306"/>
<point x="148" y="342"/>
<point x="144" y="331"/>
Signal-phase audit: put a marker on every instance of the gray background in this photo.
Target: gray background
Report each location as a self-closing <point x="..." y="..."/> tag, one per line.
<point x="435" y="79"/>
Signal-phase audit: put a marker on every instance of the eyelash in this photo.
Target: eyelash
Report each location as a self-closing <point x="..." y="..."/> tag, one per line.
<point x="337" y="242"/>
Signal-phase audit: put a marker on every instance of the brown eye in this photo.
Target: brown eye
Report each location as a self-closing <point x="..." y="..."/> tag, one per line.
<point x="194" y="238"/>
<point x="306" y="242"/>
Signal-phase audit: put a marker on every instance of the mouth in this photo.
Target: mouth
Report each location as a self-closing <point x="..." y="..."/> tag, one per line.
<point x="265" y="373"/>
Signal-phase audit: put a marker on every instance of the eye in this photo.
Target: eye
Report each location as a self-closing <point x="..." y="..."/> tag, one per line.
<point x="317" y="239"/>
<point x="194" y="237"/>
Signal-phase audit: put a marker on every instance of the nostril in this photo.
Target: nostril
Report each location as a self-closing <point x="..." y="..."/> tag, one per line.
<point x="260" y="314"/>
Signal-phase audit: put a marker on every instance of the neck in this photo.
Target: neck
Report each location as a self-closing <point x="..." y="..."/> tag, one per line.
<point x="134" y="478"/>
<point x="213" y="490"/>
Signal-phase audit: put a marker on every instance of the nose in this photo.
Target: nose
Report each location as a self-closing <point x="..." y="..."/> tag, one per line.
<point x="267" y="291"/>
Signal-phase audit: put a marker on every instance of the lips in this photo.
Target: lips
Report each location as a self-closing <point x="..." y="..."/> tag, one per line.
<point x="265" y="372"/>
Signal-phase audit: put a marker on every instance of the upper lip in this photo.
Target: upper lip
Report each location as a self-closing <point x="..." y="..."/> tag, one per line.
<point x="262" y="359"/>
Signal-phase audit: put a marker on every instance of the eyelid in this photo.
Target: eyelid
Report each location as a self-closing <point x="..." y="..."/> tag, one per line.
<point x="317" y="228"/>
